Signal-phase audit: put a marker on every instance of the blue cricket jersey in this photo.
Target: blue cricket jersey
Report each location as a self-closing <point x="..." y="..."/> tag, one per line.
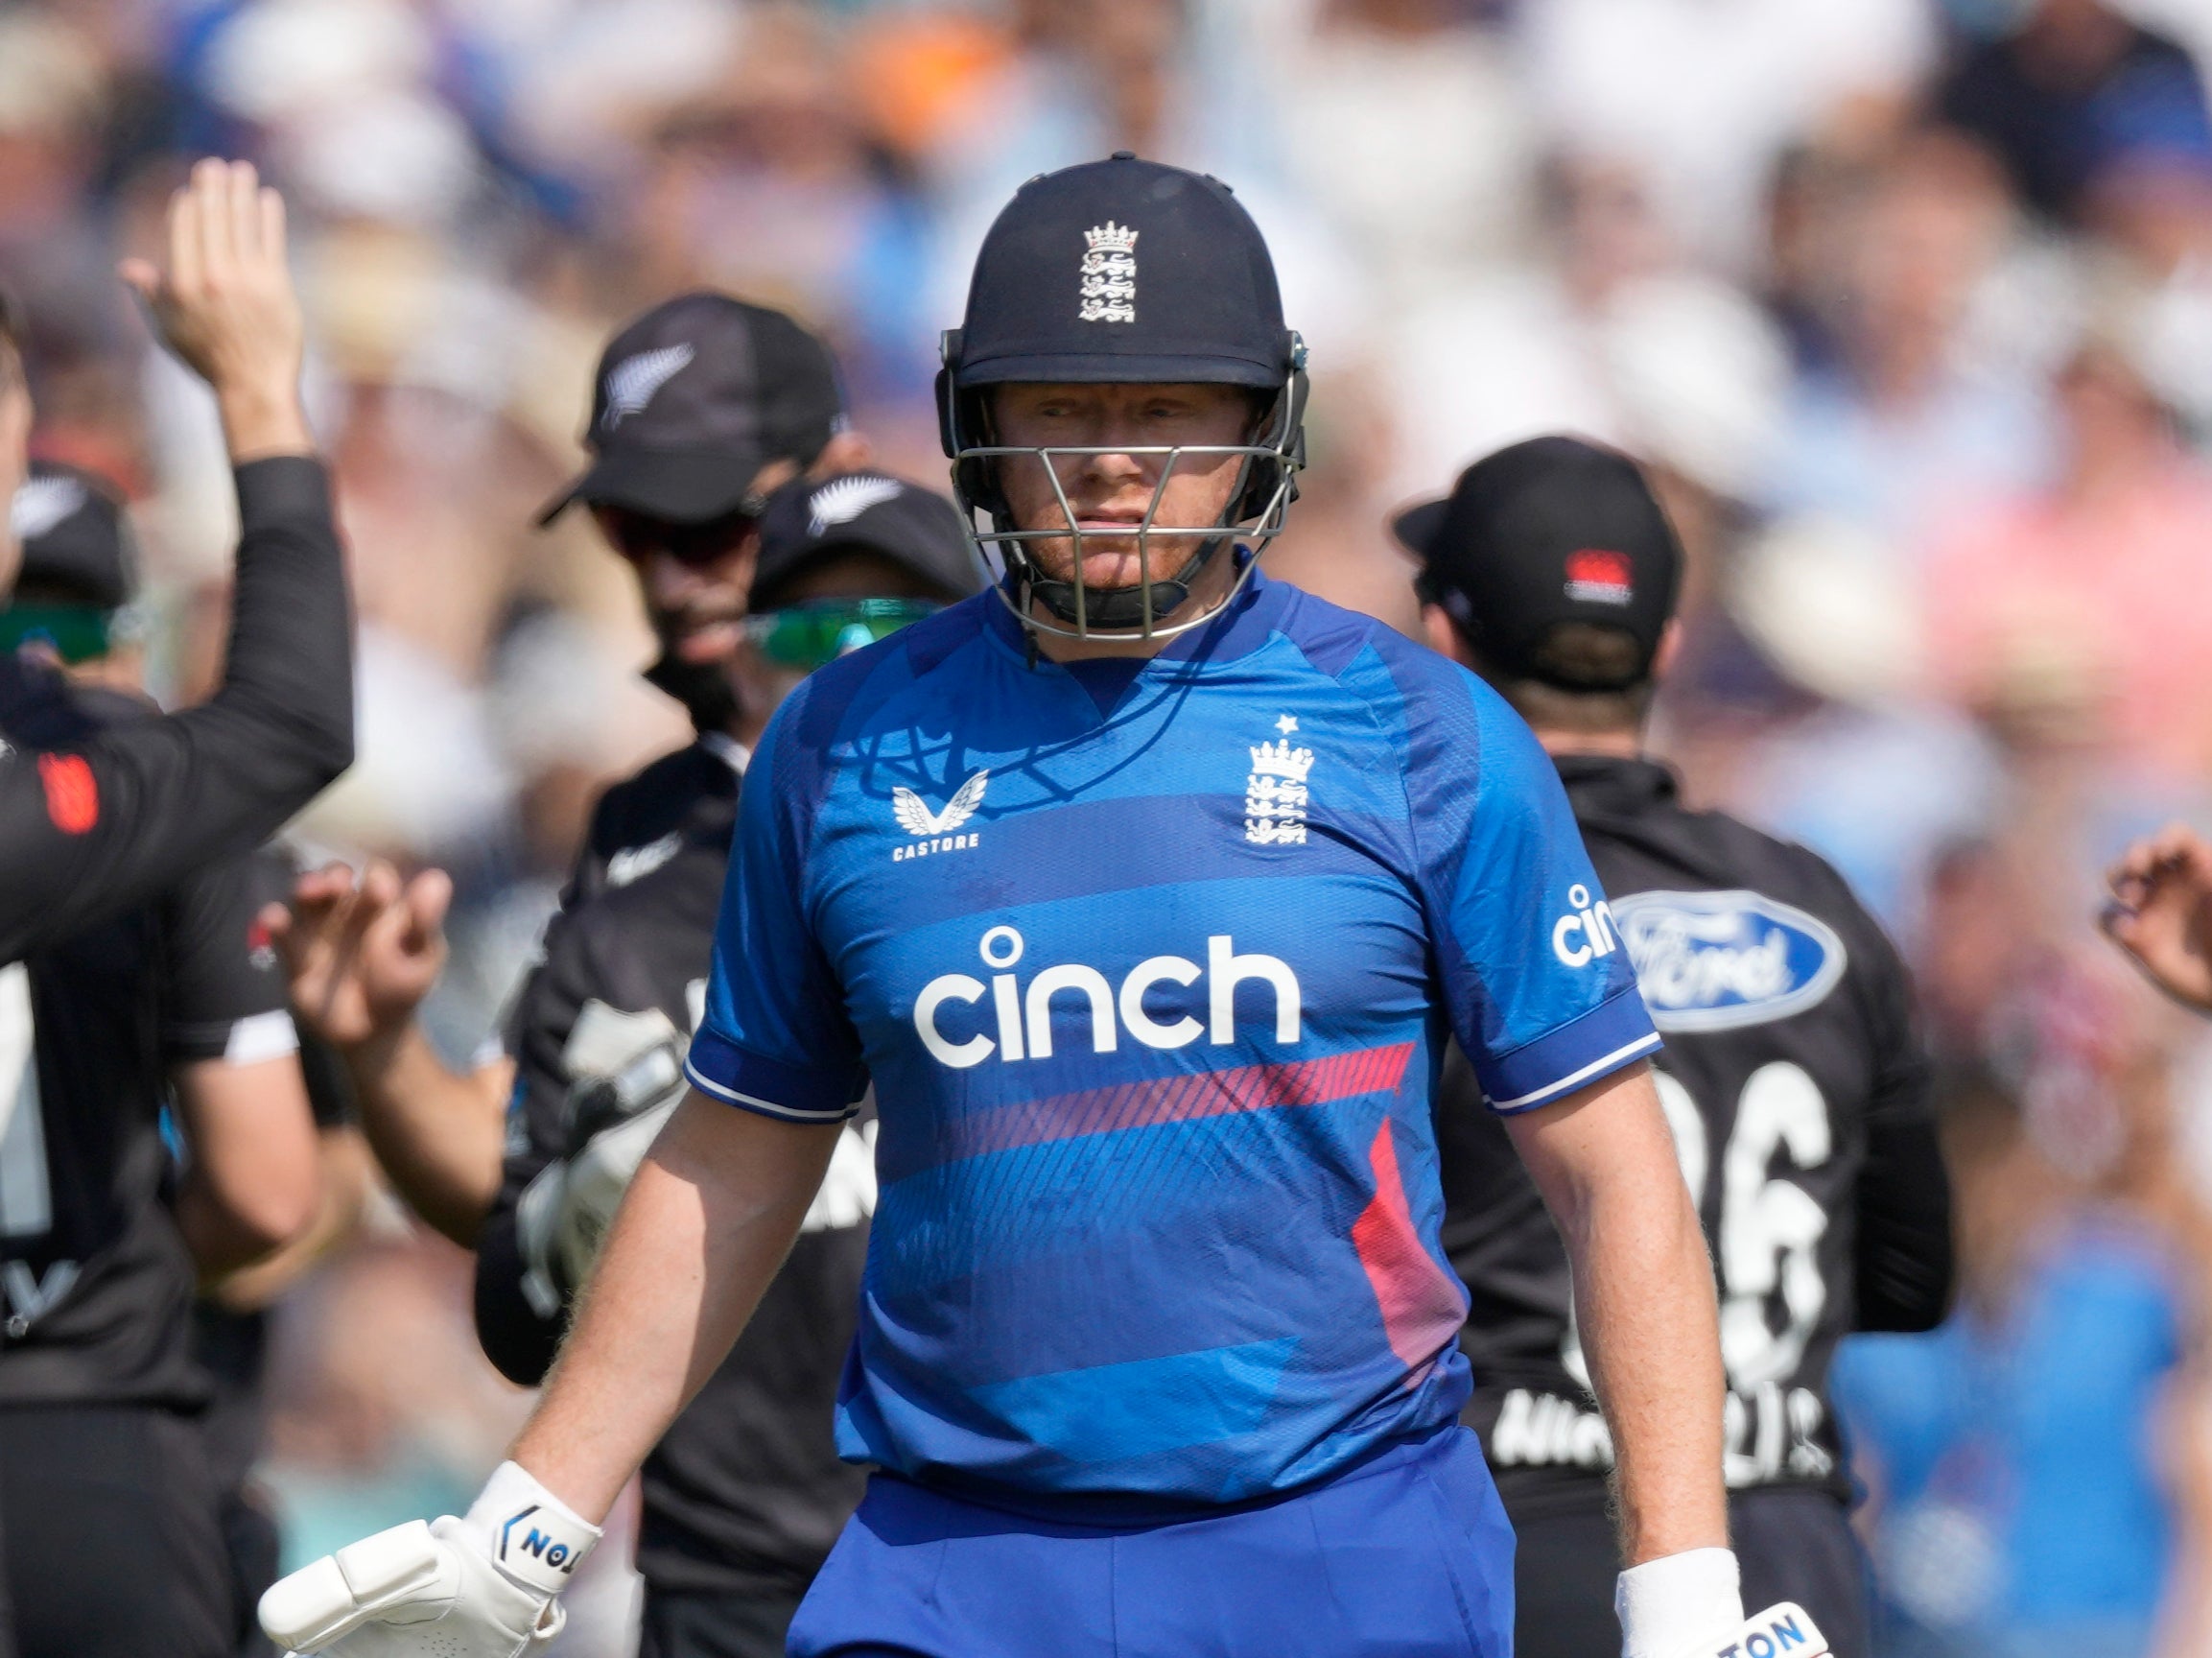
<point x="1152" y="967"/>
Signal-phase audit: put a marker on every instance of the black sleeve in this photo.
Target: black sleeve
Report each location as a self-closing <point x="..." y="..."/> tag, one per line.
<point x="89" y="832"/>
<point x="1904" y="1268"/>
<point x="516" y="1335"/>
<point x="223" y="993"/>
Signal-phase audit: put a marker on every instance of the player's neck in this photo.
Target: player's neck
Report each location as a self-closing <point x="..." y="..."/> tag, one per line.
<point x="1622" y="744"/>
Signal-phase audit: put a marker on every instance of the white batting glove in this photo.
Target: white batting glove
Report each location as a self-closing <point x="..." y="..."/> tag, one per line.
<point x="1668" y="1605"/>
<point x="1784" y="1630"/>
<point x="481" y="1586"/>
<point x="626" y="1079"/>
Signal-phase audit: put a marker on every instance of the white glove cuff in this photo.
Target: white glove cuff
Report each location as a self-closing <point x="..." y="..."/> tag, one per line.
<point x="535" y="1539"/>
<point x="1666" y="1606"/>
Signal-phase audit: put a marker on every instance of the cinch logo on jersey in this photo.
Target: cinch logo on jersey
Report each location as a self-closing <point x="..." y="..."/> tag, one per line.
<point x="1597" y="576"/>
<point x="1585" y="934"/>
<point x="1022" y="1016"/>
<point x="1718" y="961"/>
<point x="937" y="827"/>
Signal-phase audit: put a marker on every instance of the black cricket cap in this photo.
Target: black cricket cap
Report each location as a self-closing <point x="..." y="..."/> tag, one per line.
<point x="1123" y="271"/>
<point x="692" y="399"/>
<point x="1551" y="530"/>
<point x="78" y="547"/>
<point x="916" y="528"/>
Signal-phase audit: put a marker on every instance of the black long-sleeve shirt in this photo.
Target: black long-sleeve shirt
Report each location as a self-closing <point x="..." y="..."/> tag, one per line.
<point x="1798" y="1092"/>
<point x="95" y="828"/>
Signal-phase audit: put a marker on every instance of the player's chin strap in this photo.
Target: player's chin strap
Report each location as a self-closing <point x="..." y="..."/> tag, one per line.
<point x="1121" y="609"/>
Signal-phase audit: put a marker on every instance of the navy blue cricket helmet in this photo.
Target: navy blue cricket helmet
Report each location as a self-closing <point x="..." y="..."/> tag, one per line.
<point x="1122" y="271"/>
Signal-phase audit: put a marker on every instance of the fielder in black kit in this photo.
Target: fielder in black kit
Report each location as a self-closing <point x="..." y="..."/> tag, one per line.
<point x="1792" y="1078"/>
<point x="749" y="588"/>
<point x="114" y="1520"/>
<point x="746" y="1493"/>
<point x="104" y="820"/>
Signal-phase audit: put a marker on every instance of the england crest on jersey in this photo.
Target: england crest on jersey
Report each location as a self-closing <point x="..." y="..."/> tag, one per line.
<point x="1718" y="961"/>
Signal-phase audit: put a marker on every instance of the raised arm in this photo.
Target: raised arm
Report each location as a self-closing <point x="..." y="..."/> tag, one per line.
<point x="1644" y="1300"/>
<point x="89" y="832"/>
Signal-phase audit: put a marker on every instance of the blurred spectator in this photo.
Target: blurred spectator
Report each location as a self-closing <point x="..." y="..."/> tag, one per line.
<point x="1617" y="338"/>
<point x="1708" y="95"/>
<point x="1897" y="413"/>
<point x="2040" y="1487"/>
<point x="1831" y="611"/>
<point x="2069" y="84"/>
<point x="2084" y="608"/>
<point x="1405" y="120"/>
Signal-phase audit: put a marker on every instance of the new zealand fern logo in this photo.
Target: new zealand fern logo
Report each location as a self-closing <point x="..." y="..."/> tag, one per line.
<point x="633" y="381"/>
<point x="843" y="500"/>
<point x="43" y="502"/>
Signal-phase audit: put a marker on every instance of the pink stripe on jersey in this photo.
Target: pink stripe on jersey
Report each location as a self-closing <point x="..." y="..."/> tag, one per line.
<point x="1185" y="1099"/>
<point x="1421" y="1305"/>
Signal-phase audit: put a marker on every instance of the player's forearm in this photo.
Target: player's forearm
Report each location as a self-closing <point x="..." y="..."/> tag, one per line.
<point x="348" y="1178"/>
<point x="289" y="669"/>
<point x="1644" y="1293"/>
<point x="439" y="1133"/>
<point x="1645" y="1306"/>
<point x="706" y="1224"/>
<point x="220" y="1239"/>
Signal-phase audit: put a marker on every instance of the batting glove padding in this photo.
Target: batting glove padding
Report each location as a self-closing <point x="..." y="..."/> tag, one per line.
<point x="481" y="1586"/>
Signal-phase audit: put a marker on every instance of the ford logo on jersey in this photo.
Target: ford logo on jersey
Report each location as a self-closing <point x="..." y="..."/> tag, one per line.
<point x="1717" y="961"/>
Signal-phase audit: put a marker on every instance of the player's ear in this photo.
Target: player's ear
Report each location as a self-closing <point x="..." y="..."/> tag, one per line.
<point x="849" y="451"/>
<point x="1670" y="649"/>
<point x="1444" y="635"/>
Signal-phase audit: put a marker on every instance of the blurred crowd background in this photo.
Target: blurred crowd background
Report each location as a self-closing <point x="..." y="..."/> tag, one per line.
<point x="1906" y="303"/>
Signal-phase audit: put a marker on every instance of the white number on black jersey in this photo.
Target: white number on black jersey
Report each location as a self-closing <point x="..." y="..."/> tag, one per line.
<point x="1770" y="1236"/>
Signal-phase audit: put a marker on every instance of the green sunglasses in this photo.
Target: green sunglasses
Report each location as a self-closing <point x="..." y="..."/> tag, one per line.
<point x="74" y="632"/>
<point x="806" y="636"/>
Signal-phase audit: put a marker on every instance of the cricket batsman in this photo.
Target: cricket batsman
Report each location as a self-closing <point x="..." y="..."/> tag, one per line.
<point x="1145" y="891"/>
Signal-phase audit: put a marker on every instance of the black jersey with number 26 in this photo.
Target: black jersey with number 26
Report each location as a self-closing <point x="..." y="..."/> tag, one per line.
<point x="1797" y="1093"/>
